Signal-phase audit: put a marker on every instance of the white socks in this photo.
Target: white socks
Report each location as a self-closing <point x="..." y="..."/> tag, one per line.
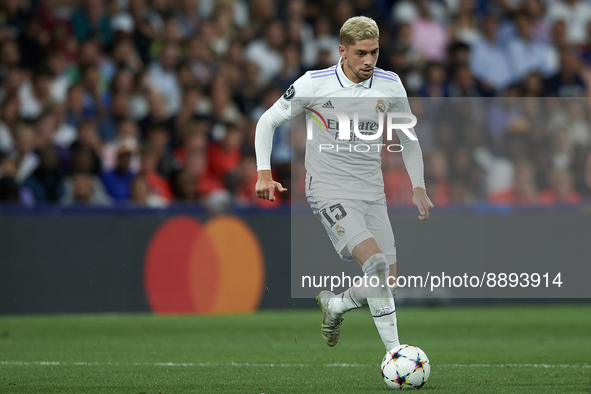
<point x="377" y="295"/>
<point x="380" y="301"/>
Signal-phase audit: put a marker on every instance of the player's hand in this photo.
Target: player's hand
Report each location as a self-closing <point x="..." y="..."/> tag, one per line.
<point x="423" y="203"/>
<point x="266" y="186"/>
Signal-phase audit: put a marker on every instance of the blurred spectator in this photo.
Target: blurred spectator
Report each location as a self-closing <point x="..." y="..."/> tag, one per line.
<point x="223" y="109"/>
<point x="561" y="190"/>
<point x="10" y="190"/>
<point x="157" y="183"/>
<point x="568" y="82"/>
<point x="291" y="67"/>
<point x="159" y="140"/>
<point x="578" y="123"/>
<point x="322" y="50"/>
<point x="397" y="185"/>
<point x="249" y="92"/>
<point x="184" y="186"/>
<point x="408" y="11"/>
<point x="10" y="56"/>
<point x="46" y="129"/>
<point x="13" y="15"/>
<point x="35" y="97"/>
<point x="428" y="35"/>
<point x="498" y="170"/>
<point x="201" y="59"/>
<point x="91" y="21"/>
<point x="125" y="56"/>
<point x="61" y="40"/>
<point x="436" y="178"/>
<point x="9" y="118"/>
<point x="46" y="183"/>
<point x="12" y="83"/>
<point x="194" y="105"/>
<point x="576" y="12"/>
<point x="265" y="52"/>
<point x="224" y="156"/>
<point x="94" y="103"/>
<point x="158" y="115"/>
<point x="26" y="159"/>
<point x="533" y="85"/>
<point x="540" y="26"/>
<point x="464" y="27"/>
<point x="83" y="188"/>
<point x="562" y="153"/>
<point x="89" y="141"/>
<point x="118" y="113"/>
<point x="141" y="194"/>
<point x="435" y="84"/>
<point x="163" y="77"/>
<point x="262" y="12"/>
<point x="464" y="84"/>
<point x="526" y="54"/>
<point x="523" y="190"/>
<point x="60" y="82"/>
<point x="488" y="59"/>
<point x="32" y="53"/>
<point x="118" y="181"/>
<point x="187" y="16"/>
<point x="75" y="105"/>
<point x="126" y="130"/>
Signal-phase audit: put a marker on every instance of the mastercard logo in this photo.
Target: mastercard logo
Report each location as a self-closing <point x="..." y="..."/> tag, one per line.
<point x="212" y="268"/>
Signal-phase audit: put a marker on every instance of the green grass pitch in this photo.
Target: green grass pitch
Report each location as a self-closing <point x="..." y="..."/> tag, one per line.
<point x="517" y="349"/>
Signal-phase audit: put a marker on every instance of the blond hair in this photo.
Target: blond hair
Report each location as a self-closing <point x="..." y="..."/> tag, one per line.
<point x="359" y="28"/>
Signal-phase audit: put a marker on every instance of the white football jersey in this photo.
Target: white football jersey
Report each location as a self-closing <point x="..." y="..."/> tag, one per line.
<point x="349" y="168"/>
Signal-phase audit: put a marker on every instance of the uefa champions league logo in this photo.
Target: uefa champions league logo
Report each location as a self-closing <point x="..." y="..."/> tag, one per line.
<point x="362" y="131"/>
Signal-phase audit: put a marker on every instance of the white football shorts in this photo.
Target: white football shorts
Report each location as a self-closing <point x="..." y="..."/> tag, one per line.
<point x="350" y="222"/>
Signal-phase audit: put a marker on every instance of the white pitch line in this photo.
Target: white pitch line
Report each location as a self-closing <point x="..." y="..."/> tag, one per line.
<point x="233" y="364"/>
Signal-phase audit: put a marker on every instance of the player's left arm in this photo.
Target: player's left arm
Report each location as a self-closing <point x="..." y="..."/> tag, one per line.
<point x="413" y="161"/>
<point x="423" y="202"/>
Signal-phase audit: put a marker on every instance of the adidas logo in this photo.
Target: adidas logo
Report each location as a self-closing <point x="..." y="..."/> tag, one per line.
<point x="328" y="104"/>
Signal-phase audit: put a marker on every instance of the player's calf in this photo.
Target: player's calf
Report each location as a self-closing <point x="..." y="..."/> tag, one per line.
<point x="380" y="300"/>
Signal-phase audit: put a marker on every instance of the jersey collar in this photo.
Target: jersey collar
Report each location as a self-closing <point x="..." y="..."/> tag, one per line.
<point x="346" y="82"/>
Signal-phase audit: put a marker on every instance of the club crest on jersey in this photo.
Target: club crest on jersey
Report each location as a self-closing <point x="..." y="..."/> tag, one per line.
<point x="289" y="93"/>
<point x="340" y="230"/>
<point x="380" y="106"/>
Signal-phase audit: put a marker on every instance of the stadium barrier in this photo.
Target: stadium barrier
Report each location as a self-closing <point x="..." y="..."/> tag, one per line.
<point x="181" y="261"/>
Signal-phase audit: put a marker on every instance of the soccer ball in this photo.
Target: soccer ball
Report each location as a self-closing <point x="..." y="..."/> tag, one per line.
<point x="405" y="367"/>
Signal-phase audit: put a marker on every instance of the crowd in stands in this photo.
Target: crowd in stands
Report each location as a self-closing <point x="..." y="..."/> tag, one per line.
<point x="153" y="102"/>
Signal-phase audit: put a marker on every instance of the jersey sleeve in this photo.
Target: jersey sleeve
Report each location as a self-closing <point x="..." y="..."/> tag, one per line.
<point x="412" y="154"/>
<point x="291" y="104"/>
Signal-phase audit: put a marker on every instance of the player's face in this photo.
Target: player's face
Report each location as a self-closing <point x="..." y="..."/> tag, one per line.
<point x="359" y="60"/>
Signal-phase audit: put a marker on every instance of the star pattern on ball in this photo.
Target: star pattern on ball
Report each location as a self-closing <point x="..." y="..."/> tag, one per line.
<point x="400" y="380"/>
<point x="396" y="355"/>
<point x="418" y="363"/>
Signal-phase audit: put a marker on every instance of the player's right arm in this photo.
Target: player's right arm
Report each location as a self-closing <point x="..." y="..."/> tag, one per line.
<point x="289" y="105"/>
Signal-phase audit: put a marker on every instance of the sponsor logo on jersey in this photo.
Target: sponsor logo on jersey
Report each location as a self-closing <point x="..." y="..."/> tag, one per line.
<point x="284" y="104"/>
<point x="328" y="104"/>
<point x="316" y="115"/>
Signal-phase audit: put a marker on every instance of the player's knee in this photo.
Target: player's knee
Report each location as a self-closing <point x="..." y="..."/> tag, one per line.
<point x="365" y="249"/>
<point x="377" y="265"/>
